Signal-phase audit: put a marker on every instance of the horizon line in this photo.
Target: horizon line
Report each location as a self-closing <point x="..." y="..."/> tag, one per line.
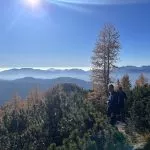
<point x="60" y="68"/>
<point x="45" y="68"/>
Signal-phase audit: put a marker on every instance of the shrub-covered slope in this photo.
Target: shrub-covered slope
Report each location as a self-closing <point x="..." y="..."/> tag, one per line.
<point x="62" y="120"/>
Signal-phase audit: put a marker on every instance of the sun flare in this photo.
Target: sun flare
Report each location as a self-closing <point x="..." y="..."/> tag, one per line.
<point x="33" y="3"/>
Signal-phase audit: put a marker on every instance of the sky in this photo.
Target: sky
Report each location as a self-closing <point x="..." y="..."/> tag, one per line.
<point x="63" y="33"/>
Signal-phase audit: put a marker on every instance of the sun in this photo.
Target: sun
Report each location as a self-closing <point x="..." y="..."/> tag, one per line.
<point x="33" y="3"/>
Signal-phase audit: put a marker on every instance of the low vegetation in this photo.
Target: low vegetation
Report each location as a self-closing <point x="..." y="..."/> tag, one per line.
<point x="64" y="119"/>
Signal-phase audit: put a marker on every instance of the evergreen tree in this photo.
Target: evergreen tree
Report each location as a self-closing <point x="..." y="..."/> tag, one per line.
<point x="125" y="83"/>
<point x="141" y="81"/>
<point x="140" y="113"/>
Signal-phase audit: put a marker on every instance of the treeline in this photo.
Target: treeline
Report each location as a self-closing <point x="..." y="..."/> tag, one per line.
<point x="137" y="110"/>
<point x="138" y="104"/>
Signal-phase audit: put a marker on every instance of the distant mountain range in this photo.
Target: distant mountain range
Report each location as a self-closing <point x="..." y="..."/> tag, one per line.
<point x="52" y="73"/>
<point x="43" y="74"/>
<point x="133" y="72"/>
<point x="25" y="79"/>
<point x="23" y="86"/>
<point x="133" y="69"/>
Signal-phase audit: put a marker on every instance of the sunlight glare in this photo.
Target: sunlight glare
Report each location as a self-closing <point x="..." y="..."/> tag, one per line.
<point x="33" y="3"/>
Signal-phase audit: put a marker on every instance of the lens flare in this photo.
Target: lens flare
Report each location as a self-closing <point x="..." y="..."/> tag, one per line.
<point x="32" y="3"/>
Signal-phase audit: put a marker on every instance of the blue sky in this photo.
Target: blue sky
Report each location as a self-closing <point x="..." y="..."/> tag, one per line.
<point x="62" y="33"/>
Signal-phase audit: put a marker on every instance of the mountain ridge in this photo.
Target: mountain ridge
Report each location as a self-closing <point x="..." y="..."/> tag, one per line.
<point x="52" y="73"/>
<point x="73" y="69"/>
<point x="8" y="88"/>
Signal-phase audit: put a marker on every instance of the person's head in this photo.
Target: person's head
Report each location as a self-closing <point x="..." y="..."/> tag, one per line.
<point x="120" y="88"/>
<point x="111" y="88"/>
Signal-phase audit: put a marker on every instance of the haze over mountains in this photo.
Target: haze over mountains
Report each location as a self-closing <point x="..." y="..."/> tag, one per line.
<point x="8" y="88"/>
<point x="24" y="80"/>
<point x="43" y="74"/>
<point x="52" y="73"/>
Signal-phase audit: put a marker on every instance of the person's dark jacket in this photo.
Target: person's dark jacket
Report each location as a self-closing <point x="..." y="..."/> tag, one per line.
<point x="121" y="99"/>
<point x="113" y="102"/>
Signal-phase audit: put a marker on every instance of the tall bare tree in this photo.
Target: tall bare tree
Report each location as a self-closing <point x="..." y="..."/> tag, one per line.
<point x="105" y="56"/>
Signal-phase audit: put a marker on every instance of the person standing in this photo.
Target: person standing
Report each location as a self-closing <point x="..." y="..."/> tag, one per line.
<point x="112" y="105"/>
<point x="122" y="97"/>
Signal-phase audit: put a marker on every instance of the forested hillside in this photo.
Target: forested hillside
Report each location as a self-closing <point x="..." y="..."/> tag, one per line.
<point x="8" y="88"/>
<point x="63" y="119"/>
